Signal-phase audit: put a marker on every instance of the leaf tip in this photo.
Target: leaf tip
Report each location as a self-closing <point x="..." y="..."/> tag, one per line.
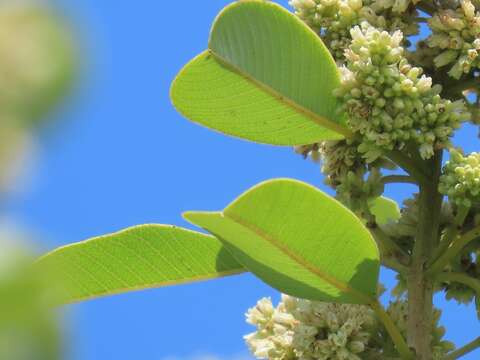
<point x="198" y="217"/>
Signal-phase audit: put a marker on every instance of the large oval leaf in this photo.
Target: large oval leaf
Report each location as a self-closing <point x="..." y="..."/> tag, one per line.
<point x="300" y="241"/>
<point x="267" y="77"/>
<point x="141" y="257"/>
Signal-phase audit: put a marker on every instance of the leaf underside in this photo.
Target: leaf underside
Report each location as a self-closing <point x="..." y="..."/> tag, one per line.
<point x="385" y="210"/>
<point x="266" y="77"/>
<point x="298" y="240"/>
<point x="141" y="257"/>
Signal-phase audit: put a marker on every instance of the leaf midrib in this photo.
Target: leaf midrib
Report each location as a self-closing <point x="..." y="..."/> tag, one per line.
<point x="317" y="119"/>
<point x="300" y="261"/>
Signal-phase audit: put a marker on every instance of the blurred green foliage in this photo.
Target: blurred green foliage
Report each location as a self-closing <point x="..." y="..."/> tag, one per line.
<point x="36" y="61"/>
<point x="37" y="67"/>
<point x="28" y="325"/>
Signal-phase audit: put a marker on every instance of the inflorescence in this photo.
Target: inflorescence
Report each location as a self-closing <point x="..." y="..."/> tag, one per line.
<point x="461" y="179"/>
<point x="334" y="18"/>
<point x="456" y="38"/>
<point x="300" y="329"/>
<point x="390" y="102"/>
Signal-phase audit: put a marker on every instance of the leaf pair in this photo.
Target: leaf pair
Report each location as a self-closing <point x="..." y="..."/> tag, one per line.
<point x="289" y="234"/>
<point x="268" y="78"/>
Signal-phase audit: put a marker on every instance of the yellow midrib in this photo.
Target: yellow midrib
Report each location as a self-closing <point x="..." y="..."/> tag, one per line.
<point x="317" y="119"/>
<point x="364" y="299"/>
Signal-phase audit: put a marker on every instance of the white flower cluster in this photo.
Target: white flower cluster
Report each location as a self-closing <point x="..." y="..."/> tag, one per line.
<point x="275" y="330"/>
<point x="306" y="330"/>
<point x="456" y="36"/>
<point x="389" y="101"/>
<point x="338" y="158"/>
<point x="333" y="19"/>
<point x="355" y="179"/>
<point x="300" y="329"/>
<point x="461" y="179"/>
<point x="357" y="190"/>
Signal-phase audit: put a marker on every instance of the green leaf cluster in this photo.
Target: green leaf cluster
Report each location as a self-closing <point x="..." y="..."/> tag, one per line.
<point x="265" y="77"/>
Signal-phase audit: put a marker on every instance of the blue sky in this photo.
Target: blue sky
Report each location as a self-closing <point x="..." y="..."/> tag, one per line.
<point x="119" y="155"/>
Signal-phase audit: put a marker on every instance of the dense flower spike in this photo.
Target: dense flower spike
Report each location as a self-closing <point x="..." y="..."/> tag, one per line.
<point x="333" y="19"/>
<point x="456" y="37"/>
<point x="274" y="337"/>
<point x="461" y="179"/>
<point x="338" y="158"/>
<point x="302" y="329"/>
<point x="389" y="102"/>
<point x="349" y="172"/>
<point x="307" y="330"/>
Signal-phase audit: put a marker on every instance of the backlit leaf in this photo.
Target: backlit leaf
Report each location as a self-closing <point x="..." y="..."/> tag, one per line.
<point x="266" y="77"/>
<point x="299" y="240"/>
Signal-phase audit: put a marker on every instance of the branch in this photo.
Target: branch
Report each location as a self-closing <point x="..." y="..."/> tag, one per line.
<point x="427" y="7"/>
<point x="396" y="336"/>
<point x="463" y="350"/>
<point x="394" y="265"/>
<point x="405" y="179"/>
<point x="469" y="281"/>
<point x="456" y="247"/>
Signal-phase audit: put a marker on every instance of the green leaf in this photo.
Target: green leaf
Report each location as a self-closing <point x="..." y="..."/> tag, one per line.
<point x="299" y="240"/>
<point x="266" y="77"/>
<point x="141" y="257"/>
<point x="384" y="210"/>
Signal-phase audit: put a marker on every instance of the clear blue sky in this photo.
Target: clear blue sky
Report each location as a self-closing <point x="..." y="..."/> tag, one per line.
<point x="119" y="155"/>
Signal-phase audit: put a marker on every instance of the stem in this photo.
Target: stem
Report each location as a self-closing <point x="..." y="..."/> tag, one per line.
<point x="409" y="165"/>
<point x="456" y="247"/>
<point x="397" y="338"/>
<point x="420" y="288"/>
<point x="405" y="179"/>
<point x="469" y="281"/>
<point x="475" y="111"/>
<point x="464" y="350"/>
<point x="394" y="265"/>
<point x="450" y="235"/>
